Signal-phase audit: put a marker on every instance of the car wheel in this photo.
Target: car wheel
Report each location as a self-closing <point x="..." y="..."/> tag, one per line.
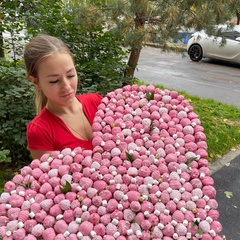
<point x="195" y="52"/>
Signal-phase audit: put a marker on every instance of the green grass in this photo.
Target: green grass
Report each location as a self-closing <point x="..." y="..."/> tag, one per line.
<point x="221" y="124"/>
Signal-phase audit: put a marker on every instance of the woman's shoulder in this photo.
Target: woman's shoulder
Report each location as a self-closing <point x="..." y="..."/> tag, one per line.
<point x="90" y="98"/>
<point x="39" y="132"/>
<point x="42" y="119"/>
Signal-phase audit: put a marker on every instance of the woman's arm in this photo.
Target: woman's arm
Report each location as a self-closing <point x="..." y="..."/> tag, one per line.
<point x="36" y="154"/>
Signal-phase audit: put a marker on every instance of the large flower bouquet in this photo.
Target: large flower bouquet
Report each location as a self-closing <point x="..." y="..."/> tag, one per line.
<point x="147" y="177"/>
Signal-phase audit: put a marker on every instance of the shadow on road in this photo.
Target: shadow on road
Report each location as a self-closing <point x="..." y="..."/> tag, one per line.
<point x="221" y="62"/>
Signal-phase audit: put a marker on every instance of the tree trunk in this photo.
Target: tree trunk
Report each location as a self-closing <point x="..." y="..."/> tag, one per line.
<point x="135" y="52"/>
<point x="132" y="61"/>
<point x="1" y="42"/>
<point x="238" y="18"/>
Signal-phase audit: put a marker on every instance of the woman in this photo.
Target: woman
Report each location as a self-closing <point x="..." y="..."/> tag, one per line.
<point x="63" y="119"/>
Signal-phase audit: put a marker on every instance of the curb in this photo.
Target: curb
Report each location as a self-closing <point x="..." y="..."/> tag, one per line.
<point x="223" y="161"/>
<point x="179" y="46"/>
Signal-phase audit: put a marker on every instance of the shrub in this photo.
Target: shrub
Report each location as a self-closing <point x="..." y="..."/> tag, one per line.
<point x="4" y="158"/>
<point x="16" y="109"/>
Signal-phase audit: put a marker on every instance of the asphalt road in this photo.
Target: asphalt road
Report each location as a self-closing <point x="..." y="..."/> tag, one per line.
<point x="213" y="79"/>
<point x="226" y="182"/>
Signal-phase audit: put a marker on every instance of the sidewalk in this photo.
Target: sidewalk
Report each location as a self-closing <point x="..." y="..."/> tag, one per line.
<point x="226" y="175"/>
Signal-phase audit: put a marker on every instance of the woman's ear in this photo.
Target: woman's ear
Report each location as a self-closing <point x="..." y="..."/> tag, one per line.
<point x="34" y="82"/>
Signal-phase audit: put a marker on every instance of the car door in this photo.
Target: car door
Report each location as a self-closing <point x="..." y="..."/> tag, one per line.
<point x="226" y="50"/>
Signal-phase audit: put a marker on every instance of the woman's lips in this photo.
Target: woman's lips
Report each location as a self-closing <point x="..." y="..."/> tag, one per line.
<point x="67" y="95"/>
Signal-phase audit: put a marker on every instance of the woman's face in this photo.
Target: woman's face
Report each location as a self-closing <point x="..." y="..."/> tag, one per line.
<point x="57" y="78"/>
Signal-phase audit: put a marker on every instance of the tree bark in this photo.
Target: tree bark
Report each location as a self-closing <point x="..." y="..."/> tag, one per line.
<point x="1" y="42"/>
<point x="132" y="61"/>
<point x="136" y="50"/>
<point x="238" y="18"/>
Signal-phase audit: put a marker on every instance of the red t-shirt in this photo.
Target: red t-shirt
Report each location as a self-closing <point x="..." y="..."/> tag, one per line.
<point x="48" y="132"/>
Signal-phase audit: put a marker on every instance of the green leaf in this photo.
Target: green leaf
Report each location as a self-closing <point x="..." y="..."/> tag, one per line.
<point x="151" y="126"/>
<point x="200" y="232"/>
<point x="149" y="96"/>
<point x="196" y="222"/>
<point x="189" y="160"/>
<point x="228" y="194"/>
<point x="129" y="157"/>
<point x="66" y="188"/>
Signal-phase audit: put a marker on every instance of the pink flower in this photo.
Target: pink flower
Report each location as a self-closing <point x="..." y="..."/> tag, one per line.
<point x="100" y="229"/>
<point x="157" y="233"/>
<point x="37" y="230"/>
<point x="210" y="191"/>
<point x="35" y="163"/>
<point x="216" y="226"/>
<point x="26" y="171"/>
<point x="40" y="216"/>
<point x="48" y="221"/>
<point x="9" y="186"/>
<point x="144" y="171"/>
<point x="13" y="213"/>
<point x="49" y="234"/>
<point x="56" y="163"/>
<point x="85" y="183"/>
<point x="3" y="221"/>
<point x="55" y="210"/>
<point x="36" y="173"/>
<point x="68" y="216"/>
<point x="112" y="205"/>
<point x="16" y="200"/>
<point x="65" y="204"/>
<point x="19" y="233"/>
<point x="111" y="229"/>
<point x="135" y="206"/>
<point x="129" y="215"/>
<point x="60" y="226"/>
<point x="123" y="227"/>
<point x="168" y="230"/>
<point x="46" y="187"/>
<point x="29" y="224"/>
<point x="178" y="216"/>
<point x="85" y="228"/>
<point x="46" y="204"/>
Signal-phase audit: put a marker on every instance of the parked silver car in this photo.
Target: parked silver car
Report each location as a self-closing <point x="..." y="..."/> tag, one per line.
<point x="224" y="47"/>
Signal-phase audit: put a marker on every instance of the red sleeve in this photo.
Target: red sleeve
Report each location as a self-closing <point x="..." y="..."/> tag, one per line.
<point x="38" y="137"/>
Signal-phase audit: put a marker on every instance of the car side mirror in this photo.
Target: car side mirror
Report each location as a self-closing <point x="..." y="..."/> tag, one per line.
<point x="238" y="39"/>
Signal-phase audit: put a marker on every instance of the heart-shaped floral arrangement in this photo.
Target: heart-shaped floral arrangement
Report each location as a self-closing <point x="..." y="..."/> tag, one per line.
<point x="147" y="177"/>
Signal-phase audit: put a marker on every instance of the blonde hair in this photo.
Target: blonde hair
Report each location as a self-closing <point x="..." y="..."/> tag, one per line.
<point x="39" y="48"/>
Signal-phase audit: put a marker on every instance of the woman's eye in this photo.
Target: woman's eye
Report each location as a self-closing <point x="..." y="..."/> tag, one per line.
<point x="71" y="76"/>
<point x="54" y="81"/>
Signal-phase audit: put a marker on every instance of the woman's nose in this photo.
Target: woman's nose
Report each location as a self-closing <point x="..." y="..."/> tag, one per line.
<point x="65" y="83"/>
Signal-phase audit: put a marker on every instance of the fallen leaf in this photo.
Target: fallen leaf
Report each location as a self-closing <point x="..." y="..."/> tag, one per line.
<point x="235" y="206"/>
<point x="228" y="194"/>
<point x="227" y="164"/>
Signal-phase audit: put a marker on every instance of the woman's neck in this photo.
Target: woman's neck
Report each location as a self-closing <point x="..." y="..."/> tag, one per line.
<point x="60" y="110"/>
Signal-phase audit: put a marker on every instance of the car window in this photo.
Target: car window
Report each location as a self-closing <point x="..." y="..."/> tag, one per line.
<point x="230" y="35"/>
